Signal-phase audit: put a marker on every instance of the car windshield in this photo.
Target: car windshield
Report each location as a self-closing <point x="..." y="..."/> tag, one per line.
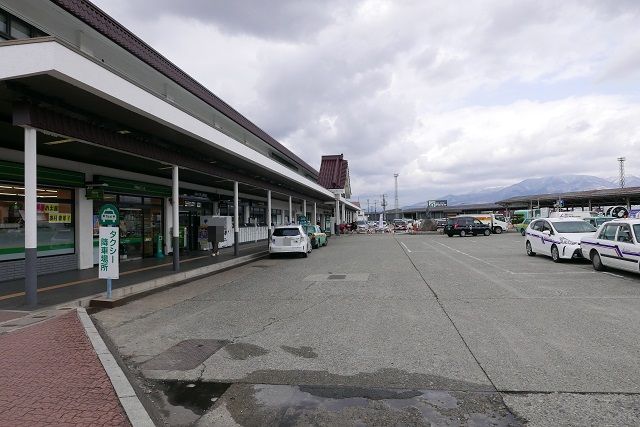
<point x="286" y="232"/>
<point x="309" y="229"/>
<point x="573" y="227"/>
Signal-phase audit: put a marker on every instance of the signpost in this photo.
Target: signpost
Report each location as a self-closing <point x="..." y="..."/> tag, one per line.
<point x="109" y="242"/>
<point x="435" y="204"/>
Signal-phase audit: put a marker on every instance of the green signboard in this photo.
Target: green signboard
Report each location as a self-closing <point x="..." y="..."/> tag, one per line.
<point x="108" y="216"/>
<point x="95" y="194"/>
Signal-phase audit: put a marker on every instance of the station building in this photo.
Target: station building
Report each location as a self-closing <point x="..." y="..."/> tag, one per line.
<point x="90" y="114"/>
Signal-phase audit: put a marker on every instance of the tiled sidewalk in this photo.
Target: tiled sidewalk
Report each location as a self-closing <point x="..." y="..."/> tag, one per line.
<point x="51" y="375"/>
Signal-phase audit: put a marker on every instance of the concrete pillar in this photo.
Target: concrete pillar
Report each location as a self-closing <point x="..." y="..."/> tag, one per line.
<point x="290" y="211"/>
<point x="337" y="216"/>
<point x="84" y="229"/>
<point x="236" y="225"/>
<point x="315" y="213"/>
<point x="589" y="205"/>
<point x="343" y="215"/>
<point x="304" y="208"/>
<point x="269" y="215"/>
<point x="30" y="216"/>
<point x="175" y="203"/>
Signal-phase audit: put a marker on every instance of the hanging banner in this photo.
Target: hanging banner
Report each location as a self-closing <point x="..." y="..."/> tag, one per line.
<point x="109" y="241"/>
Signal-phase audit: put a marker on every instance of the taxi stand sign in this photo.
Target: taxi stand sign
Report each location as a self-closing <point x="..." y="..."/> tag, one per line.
<point x="108" y="253"/>
<point x="108" y="244"/>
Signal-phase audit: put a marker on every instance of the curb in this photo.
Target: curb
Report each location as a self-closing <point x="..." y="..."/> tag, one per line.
<point x="125" y="294"/>
<point x="130" y="292"/>
<point x="136" y="413"/>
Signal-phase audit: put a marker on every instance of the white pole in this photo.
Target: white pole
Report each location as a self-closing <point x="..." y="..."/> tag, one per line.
<point x="304" y="208"/>
<point x="31" y="216"/>
<point x="175" y="203"/>
<point x="236" y="225"/>
<point x="315" y="213"/>
<point x="290" y="211"/>
<point x="337" y="215"/>
<point x="269" y="215"/>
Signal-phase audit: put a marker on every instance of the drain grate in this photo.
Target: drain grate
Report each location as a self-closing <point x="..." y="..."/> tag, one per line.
<point x="185" y="355"/>
<point x="337" y="276"/>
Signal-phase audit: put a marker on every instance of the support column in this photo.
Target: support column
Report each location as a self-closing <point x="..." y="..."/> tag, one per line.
<point x="269" y="215"/>
<point x="236" y="225"/>
<point x="304" y="208"/>
<point x="175" y="234"/>
<point x="30" y="217"/>
<point x="290" y="211"/>
<point x="315" y="213"/>
<point x="337" y="216"/>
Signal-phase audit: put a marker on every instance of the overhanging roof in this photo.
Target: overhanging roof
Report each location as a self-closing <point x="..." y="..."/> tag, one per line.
<point x="75" y="86"/>
<point x="578" y="198"/>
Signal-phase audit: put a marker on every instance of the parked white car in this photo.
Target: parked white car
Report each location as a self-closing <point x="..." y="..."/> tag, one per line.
<point x="558" y="238"/>
<point x="614" y="245"/>
<point x="289" y="239"/>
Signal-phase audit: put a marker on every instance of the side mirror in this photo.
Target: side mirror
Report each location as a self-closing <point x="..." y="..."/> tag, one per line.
<point x="546" y="232"/>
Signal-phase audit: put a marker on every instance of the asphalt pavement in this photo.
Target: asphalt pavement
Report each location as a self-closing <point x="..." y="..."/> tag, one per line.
<point x="394" y="330"/>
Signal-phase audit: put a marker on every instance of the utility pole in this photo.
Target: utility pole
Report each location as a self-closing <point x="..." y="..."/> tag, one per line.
<point x="395" y="176"/>
<point x="621" y="161"/>
<point x="375" y="206"/>
<point x="384" y="205"/>
<point x="368" y="207"/>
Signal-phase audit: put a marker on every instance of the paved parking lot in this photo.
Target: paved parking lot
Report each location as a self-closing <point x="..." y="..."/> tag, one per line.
<point x="374" y="320"/>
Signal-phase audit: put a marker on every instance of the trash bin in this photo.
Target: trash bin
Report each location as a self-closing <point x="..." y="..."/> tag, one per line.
<point x="159" y="251"/>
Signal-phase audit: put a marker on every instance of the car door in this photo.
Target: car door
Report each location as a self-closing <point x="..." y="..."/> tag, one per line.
<point x="547" y="239"/>
<point x="536" y="235"/>
<point x="607" y="246"/>
<point x="628" y="248"/>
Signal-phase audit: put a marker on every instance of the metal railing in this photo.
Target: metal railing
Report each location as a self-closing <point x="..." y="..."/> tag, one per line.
<point x="253" y="234"/>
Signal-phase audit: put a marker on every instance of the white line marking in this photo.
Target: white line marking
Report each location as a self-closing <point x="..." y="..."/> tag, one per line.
<point x="513" y="272"/>
<point x="612" y="274"/>
<point x="405" y="246"/>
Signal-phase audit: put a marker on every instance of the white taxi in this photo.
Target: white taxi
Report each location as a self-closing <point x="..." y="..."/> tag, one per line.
<point x="615" y="245"/>
<point x="558" y="238"/>
<point x="289" y="239"/>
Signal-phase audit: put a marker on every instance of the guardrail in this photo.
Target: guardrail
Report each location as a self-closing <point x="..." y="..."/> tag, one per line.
<point x="253" y="234"/>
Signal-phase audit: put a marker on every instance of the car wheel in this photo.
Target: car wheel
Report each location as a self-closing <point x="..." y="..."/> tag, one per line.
<point x="529" y="249"/>
<point x="523" y="232"/>
<point x="487" y="232"/>
<point x="555" y="254"/>
<point x="497" y="230"/>
<point x="450" y="234"/>
<point x="463" y="233"/>
<point x="596" y="261"/>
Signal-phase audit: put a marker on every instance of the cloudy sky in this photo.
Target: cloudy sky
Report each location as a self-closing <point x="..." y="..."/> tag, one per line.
<point x="453" y="96"/>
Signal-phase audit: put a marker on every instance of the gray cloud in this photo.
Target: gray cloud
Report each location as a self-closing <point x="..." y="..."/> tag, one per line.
<point x="394" y="85"/>
<point x="271" y="19"/>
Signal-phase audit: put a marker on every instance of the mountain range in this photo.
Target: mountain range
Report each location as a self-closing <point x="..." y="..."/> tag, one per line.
<point x="544" y="185"/>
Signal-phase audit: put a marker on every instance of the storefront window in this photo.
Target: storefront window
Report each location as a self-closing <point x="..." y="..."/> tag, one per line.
<point x="141" y="222"/>
<point x="55" y="222"/>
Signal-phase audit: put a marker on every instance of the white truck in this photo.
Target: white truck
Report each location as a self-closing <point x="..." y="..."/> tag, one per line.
<point x="497" y="222"/>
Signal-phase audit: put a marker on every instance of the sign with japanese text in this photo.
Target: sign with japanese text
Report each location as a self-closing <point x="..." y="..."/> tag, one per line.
<point x="436" y="203"/>
<point x="59" y="218"/>
<point x="108" y="265"/>
<point x="48" y="207"/>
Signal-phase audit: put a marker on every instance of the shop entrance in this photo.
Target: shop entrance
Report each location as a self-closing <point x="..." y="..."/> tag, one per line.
<point x="141" y="225"/>
<point x="189" y="226"/>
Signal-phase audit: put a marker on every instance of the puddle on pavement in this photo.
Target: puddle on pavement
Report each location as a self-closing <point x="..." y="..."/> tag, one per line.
<point x="309" y="405"/>
<point x="184" y="402"/>
<point x="304" y="351"/>
<point x="244" y="351"/>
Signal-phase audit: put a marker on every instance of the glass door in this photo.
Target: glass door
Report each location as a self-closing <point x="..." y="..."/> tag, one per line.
<point x="152" y="229"/>
<point x="131" y="220"/>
